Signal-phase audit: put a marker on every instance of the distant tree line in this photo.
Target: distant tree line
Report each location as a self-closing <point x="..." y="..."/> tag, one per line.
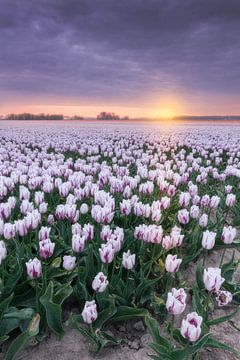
<point x="29" y="116"/>
<point x="110" y="116"/>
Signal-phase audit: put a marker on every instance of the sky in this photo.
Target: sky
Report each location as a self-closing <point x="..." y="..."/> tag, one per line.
<point x="134" y="57"/>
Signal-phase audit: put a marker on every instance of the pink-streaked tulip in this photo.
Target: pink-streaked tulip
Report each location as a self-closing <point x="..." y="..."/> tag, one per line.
<point x="184" y="199"/>
<point x="125" y="207"/>
<point x="76" y="229"/>
<point x="230" y="200"/>
<point x="194" y="211"/>
<point x="228" y="189"/>
<point x="128" y="260"/>
<point x="43" y="208"/>
<point x="212" y="279"/>
<point x="105" y="233"/>
<point x="78" y="243"/>
<point x="38" y="197"/>
<point x="214" y="202"/>
<point x="44" y="233"/>
<point x="223" y="298"/>
<point x="176" y="301"/>
<point x="107" y="253"/>
<point x="228" y="235"/>
<point x="191" y="327"/>
<point x="100" y="282"/>
<point x="89" y="312"/>
<point x="3" y="251"/>
<point x="88" y="231"/>
<point x="69" y="262"/>
<point x="46" y="248"/>
<point x="172" y="263"/>
<point x="203" y="220"/>
<point x="9" y="231"/>
<point x="50" y="219"/>
<point x="183" y="216"/>
<point x="165" y="202"/>
<point x="34" y="268"/>
<point x="208" y="239"/>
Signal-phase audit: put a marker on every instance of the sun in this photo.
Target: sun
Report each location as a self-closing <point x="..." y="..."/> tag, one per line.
<point x="164" y="113"/>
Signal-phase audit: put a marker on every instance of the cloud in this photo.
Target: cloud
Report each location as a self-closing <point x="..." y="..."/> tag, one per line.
<point x="119" y="52"/>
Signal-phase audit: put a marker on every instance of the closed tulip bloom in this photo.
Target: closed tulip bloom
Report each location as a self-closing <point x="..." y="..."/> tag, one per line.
<point x="44" y="233"/>
<point x="176" y="301"/>
<point x="100" y="282"/>
<point x="228" y="235"/>
<point x="203" y="220"/>
<point x="84" y="209"/>
<point x="69" y="262"/>
<point x="228" y="189"/>
<point x="212" y="279"/>
<point x="194" y="211"/>
<point x="215" y="200"/>
<point x="78" y="243"/>
<point x="125" y="207"/>
<point x="88" y="231"/>
<point x="208" y="239"/>
<point x="128" y="260"/>
<point x="89" y="312"/>
<point x="223" y="297"/>
<point x="9" y="231"/>
<point x="34" y="268"/>
<point x="230" y="200"/>
<point x="46" y="248"/>
<point x="191" y="327"/>
<point x="50" y="219"/>
<point x="3" y="251"/>
<point x="184" y="199"/>
<point x="106" y="253"/>
<point x="183" y="216"/>
<point x="172" y="263"/>
<point x="43" y="208"/>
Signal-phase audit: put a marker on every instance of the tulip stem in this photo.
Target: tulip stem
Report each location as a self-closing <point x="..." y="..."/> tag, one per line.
<point x="205" y="257"/>
<point x="222" y="257"/>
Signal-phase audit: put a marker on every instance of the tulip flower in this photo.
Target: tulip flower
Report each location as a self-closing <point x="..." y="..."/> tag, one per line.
<point x="46" y="248"/>
<point x="84" y="209"/>
<point x="78" y="243"/>
<point x="3" y="251"/>
<point x="34" y="268"/>
<point x="172" y="263"/>
<point x="212" y="279"/>
<point x="107" y="253"/>
<point x="183" y="216"/>
<point x="176" y="301"/>
<point x="228" y="235"/>
<point x="230" y="200"/>
<point x="208" y="239"/>
<point x="69" y="262"/>
<point x="191" y="327"/>
<point x="89" y="312"/>
<point x="128" y="260"/>
<point x="100" y="282"/>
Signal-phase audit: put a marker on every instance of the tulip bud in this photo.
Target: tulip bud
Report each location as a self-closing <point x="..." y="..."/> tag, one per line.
<point x="191" y="327"/>
<point x="183" y="216"/>
<point x="228" y="235"/>
<point x="46" y="248"/>
<point x="34" y="268"/>
<point x="106" y="253"/>
<point x="89" y="312"/>
<point x="100" y="282"/>
<point x="208" y="239"/>
<point x="78" y="243"/>
<point x="69" y="262"/>
<point x="84" y="209"/>
<point x="3" y="251"/>
<point x="176" y="301"/>
<point x="172" y="263"/>
<point x="203" y="220"/>
<point x="230" y="200"/>
<point x="128" y="260"/>
<point x="212" y="279"/>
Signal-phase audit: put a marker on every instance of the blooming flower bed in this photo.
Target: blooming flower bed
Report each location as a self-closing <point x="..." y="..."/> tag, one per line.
<point x="111" y="219"/>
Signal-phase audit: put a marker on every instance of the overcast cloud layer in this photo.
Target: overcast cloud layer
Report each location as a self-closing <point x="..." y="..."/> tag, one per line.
<point x="118" y="51"/>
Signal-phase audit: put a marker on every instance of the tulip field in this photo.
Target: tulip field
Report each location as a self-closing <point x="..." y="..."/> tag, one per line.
<point x="110" y="218"/>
